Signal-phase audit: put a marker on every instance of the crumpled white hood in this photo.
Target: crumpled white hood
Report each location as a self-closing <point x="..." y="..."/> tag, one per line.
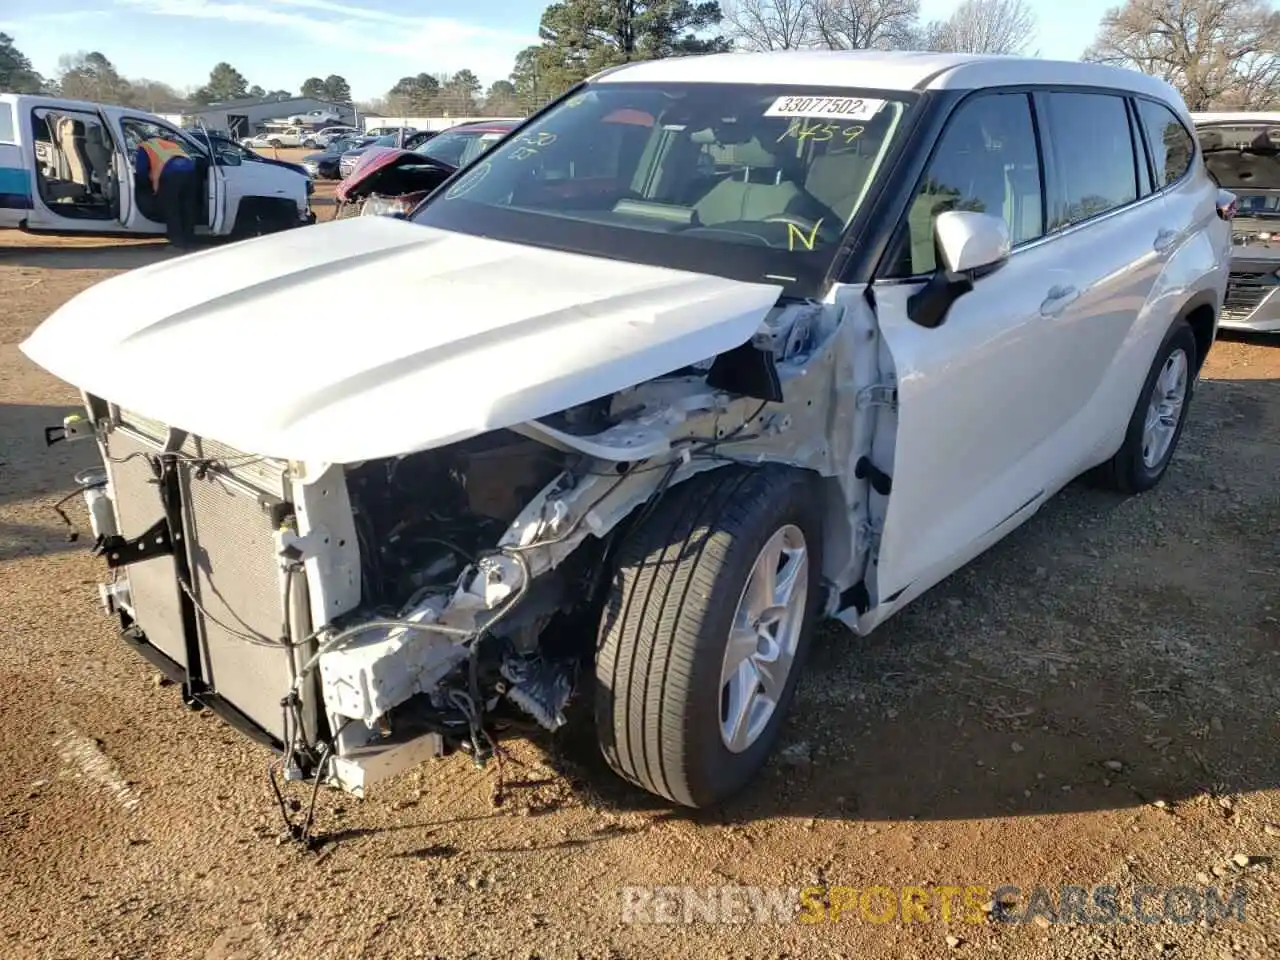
<point x="372" y="336"/>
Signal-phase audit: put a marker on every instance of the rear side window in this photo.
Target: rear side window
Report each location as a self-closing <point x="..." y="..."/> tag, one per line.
<point x="1096" y="164"/>
<point x="1171" y="146"/>
<point x="7" y="132"/>
<point x="987" y="161"/>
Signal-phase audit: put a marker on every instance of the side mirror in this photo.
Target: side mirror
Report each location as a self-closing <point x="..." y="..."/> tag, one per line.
<point x="971" y="242"/>
<point x="229" y="159"/>
<point x="969" y="245"/>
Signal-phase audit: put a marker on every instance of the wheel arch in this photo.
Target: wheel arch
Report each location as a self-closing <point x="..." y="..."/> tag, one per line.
<point x="1200" y="311"/>
<point x="258" y="215"/>
<point x="837" y="529"/>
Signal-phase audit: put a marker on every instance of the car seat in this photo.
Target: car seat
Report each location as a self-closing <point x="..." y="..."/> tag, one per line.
<point x="837" y="177"/>
<point x="99" y="155"/>
<point x="762" y="188"/>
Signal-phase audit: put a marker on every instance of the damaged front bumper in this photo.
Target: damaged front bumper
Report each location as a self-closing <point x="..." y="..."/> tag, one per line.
<point x="362" y="618"/>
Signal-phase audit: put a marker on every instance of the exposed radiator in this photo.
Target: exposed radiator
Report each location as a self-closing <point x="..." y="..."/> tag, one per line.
<point x="231" y="554"/>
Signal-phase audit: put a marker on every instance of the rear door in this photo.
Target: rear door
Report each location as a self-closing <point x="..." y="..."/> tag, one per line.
<point x="1115" y="233"/>
<point x="71" y="156"/>
<point x="15" y="172"/>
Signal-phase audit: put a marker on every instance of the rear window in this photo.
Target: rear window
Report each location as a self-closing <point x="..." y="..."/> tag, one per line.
<point x="1094" y="145"/>
<point x="7" y="133"/>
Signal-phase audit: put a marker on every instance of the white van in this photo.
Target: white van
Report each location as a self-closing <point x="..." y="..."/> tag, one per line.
<point x="66" y="166"/>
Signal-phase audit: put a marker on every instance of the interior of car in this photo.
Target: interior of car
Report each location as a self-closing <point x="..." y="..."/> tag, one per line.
<point x="707" y="164"/>
<point x="75" y="165"/>
<point x="135" y="132"/>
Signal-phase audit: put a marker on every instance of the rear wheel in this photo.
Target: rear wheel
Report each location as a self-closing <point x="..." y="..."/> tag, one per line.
<point x="707" y="623"/>
<point x="1157" y="421"/>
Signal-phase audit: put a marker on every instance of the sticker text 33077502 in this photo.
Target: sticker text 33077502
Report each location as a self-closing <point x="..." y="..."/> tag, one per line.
<point x="835" y="108"/>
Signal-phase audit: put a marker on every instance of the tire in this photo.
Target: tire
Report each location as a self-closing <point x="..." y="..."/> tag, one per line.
<point x="1132" y="469"/>
<point x="257" y="216"/>
<point x="664" y="630"/>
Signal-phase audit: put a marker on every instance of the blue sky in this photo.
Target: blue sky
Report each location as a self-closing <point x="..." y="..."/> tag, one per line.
<point x="279" y="43"/>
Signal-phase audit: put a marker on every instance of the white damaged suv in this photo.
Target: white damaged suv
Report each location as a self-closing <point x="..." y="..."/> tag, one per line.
<point x="705" y="352"/>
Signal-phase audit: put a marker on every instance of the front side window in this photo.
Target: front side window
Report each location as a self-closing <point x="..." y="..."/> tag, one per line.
<point x="751" y="182"/>
<point x="1093" y="144"/>
<point x="987" y="161"/>
<point x="1171" y="145"/>
<point x="136" y="131"/>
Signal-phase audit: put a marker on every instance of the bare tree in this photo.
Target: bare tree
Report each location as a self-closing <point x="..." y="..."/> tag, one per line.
<point x="866" y="24"/>
<point x="983" y="26"/>
<point x="1218" y="53"/>
<point x="771" y="24"/>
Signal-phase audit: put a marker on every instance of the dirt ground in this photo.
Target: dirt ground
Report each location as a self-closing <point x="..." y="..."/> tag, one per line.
<point x="1092" y="702"/>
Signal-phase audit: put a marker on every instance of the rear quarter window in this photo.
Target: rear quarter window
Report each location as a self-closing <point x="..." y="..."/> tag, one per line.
<point x="8" y="133"/>
<point x="1171" y="145"/>
<point x="1096" y="163"/>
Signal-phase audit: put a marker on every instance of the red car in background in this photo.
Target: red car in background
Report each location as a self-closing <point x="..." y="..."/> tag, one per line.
<point x="388" y="180"/>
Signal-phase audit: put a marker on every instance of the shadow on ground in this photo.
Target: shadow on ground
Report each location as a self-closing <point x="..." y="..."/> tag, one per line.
<point x="103" y="255"/>
<point x="34" y="477"/>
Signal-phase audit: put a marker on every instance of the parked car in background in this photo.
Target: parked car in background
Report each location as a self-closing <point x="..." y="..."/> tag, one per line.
<point x="1242" y="151"/>
<point x="390" y="181"/>
<point x="322" y="138"/>
<point x="288" y="137"/>
<point x="67" y="166"/>
<point x="323" y="165"/>
<point x="389" y="131"/>
<point x="393" y="141"/>
<point x="315" y="117"/>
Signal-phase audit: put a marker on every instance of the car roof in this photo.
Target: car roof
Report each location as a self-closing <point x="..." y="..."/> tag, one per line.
<point x="885" y="70"/>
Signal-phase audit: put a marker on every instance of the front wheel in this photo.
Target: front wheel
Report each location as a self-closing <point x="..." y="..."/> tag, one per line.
<point x="706" y="625"/>
<point x="1157" y="421"/>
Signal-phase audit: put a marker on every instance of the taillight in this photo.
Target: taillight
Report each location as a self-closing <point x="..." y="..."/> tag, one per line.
<point x="1226" y="205"/>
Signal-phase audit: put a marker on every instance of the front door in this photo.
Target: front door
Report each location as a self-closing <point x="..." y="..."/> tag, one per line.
<point x="978" y="396"/>
<point x="145" y="215"/>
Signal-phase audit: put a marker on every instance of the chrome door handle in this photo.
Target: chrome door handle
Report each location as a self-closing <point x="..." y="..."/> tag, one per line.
<point x="1164" y="240"/>
<point x="1058" y="299"/>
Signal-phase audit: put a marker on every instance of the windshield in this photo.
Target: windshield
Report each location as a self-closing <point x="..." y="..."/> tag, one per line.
<point x="745" y="181"/>
<point x="458" y="147"/>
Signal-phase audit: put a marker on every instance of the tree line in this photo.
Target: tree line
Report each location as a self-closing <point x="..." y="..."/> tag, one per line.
<point x="92" y="76"/>
<point x="1217" y="53"/>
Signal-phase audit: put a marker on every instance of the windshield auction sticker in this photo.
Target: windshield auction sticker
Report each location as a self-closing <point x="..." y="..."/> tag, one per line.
<point x="836" y="108"/>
